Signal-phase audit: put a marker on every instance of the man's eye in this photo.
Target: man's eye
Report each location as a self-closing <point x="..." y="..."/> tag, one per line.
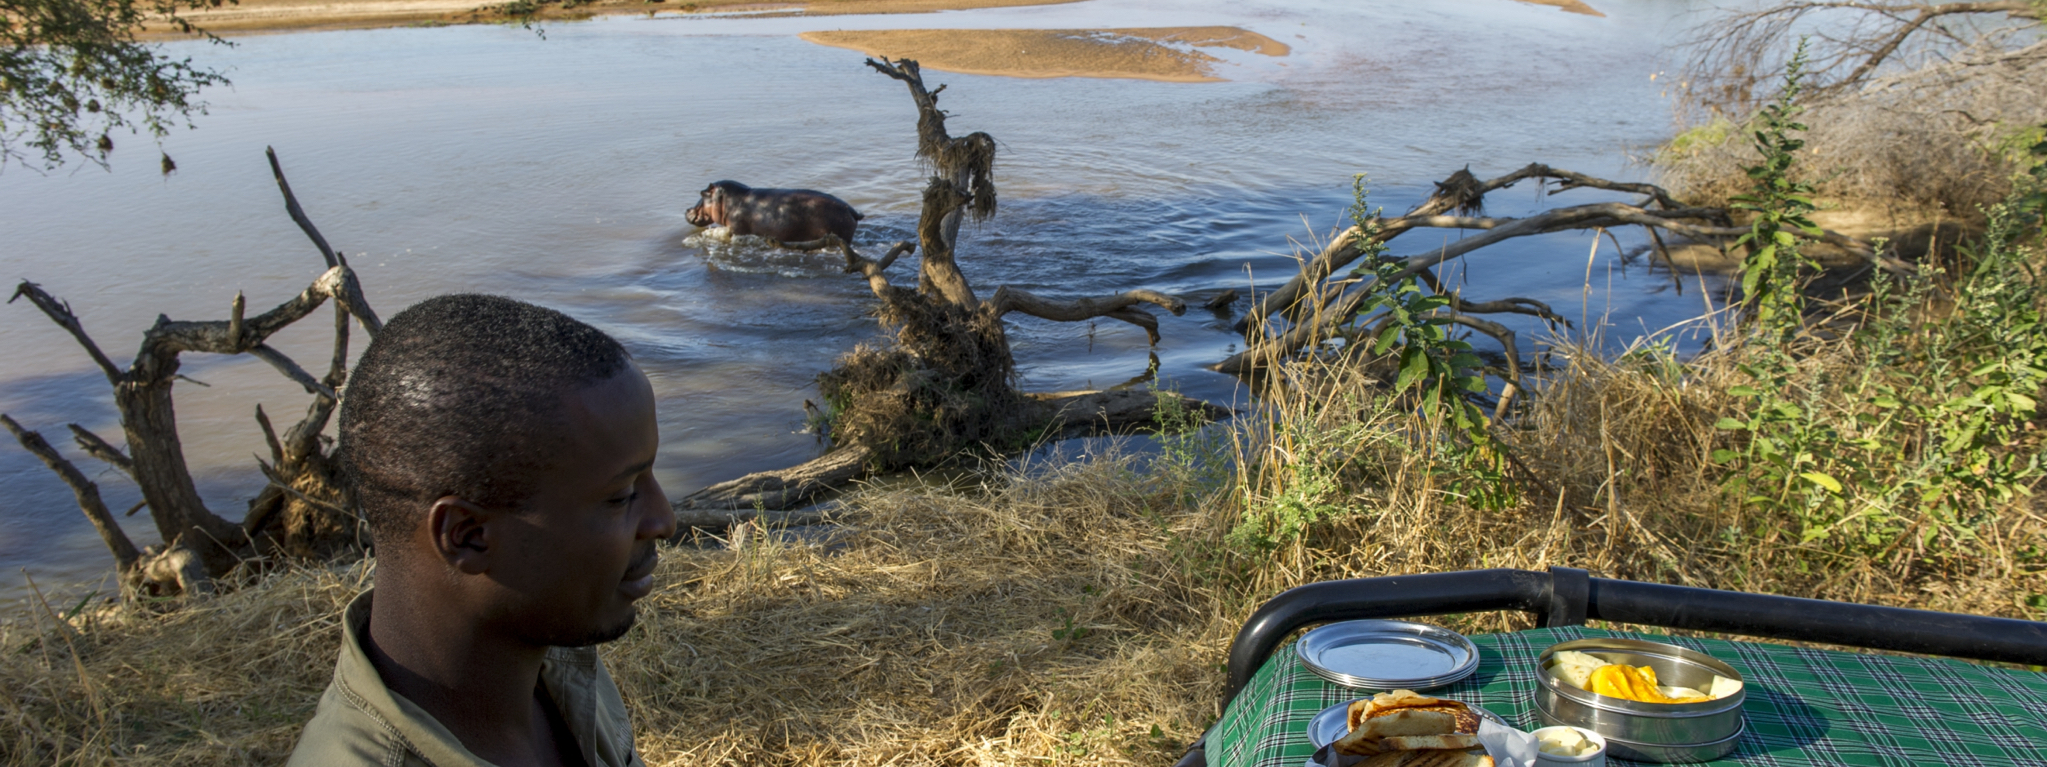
<point x="625" y="499"/>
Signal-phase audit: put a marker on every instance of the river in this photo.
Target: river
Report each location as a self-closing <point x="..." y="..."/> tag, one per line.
<point x="556" y="170"/>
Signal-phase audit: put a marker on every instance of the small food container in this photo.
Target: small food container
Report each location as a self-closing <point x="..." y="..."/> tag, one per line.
<point x="1646" y="732"/>
<point x="1597" y="757"/>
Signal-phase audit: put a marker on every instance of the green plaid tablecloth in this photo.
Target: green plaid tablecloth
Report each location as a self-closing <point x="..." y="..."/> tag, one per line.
<point x="1804" y="707"/>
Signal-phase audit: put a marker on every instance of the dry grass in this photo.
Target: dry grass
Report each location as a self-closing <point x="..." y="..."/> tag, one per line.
<point x="1073" y="613"/>
<point x="924" y="635"/>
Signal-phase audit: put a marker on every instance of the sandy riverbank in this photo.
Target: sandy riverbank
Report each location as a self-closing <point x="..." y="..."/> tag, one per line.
<point x="259" y="16"/>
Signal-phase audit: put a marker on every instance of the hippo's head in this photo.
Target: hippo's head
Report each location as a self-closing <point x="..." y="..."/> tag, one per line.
<point x="710" y="209"/>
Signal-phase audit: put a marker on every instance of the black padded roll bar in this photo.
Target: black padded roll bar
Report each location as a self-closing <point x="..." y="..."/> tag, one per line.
<point x="1568" y="597"/>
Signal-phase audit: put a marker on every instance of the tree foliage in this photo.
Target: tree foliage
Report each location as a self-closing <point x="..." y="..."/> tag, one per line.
<point x="73" y="72"/>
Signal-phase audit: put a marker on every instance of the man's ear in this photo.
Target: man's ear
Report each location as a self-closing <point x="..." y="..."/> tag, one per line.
<point x="457" y="530"/>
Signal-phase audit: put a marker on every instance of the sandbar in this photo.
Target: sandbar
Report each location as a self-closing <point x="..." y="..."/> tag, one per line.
<point x="1156" y="53"/>
<point x="1572" y="6"/>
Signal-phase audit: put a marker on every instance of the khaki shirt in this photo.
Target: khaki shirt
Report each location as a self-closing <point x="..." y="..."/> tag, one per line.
<point x="361" y="722"/>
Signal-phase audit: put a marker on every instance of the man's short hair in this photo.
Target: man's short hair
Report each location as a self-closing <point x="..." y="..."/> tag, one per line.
<point x="450" y="397"/>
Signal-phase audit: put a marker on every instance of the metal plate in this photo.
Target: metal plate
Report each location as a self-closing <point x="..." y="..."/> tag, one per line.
<point x="1334" y="723"/>
<point x="1387" y="655"/>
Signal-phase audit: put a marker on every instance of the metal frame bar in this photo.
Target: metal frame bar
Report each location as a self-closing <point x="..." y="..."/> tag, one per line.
<point x="1566" y="596"/>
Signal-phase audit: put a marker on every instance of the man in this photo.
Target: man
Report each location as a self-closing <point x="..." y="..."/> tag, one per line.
<point x="502" y="454"/>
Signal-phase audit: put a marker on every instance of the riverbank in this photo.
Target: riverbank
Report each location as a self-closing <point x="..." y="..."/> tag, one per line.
<point x="245" y="17"/>
<point x="266" y="16"/>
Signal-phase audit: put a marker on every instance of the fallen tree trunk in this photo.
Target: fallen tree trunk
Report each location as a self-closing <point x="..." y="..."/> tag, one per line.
<point x="1066" y="415"/>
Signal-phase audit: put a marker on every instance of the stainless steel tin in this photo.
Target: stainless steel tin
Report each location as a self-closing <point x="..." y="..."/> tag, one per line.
<point x="1387" y="655"/>
<point x="1656" y="732"/>
<point x="1688" y="753"/>
<point x="1334" y="723"/>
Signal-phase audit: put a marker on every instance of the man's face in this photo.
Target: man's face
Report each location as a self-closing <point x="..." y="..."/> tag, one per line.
<point x="568" y="566"/>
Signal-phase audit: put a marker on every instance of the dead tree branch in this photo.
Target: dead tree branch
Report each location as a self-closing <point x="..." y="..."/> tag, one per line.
<point x="1116" y="411"/>
<point x="1120" y="306"/>
<point x="98" y="447"/>
<point x="1316" y="306"/>
<point x="780" y="489"/>
<point x="291" y="370"/>
<point x="88" y="494"/>
<point x="60" y="312"/>
<point x="297" y="213"/>
<point x="1508" y="345"/>
<point x="142" y="394"/>
<point x="1461" y="192"/>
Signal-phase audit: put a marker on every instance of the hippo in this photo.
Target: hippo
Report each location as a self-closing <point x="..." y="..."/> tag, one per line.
<point x="782" y="215"/>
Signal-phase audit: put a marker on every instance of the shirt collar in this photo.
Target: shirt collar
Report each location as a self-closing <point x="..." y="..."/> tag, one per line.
<point x="568" y="674"/>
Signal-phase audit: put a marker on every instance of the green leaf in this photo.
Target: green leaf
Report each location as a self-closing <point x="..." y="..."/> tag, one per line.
<point x="1725" y="456"/>
<point x="1414" y="363"/>
<point x="1387" y="337"/>
<point x="1730" y="424"/>
<point x="1832" y="485"/>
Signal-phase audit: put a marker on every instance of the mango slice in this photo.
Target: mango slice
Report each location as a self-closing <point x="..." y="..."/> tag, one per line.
<point x="1636" y="683"/>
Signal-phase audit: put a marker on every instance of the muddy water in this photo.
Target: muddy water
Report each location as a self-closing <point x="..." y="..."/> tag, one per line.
<point x="557" y="171"/>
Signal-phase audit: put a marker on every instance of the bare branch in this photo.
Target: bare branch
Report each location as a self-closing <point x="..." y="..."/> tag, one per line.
<point x="87" y="493"/>
<point x="298" y="214"/>
<point x="1507" y="342"/>
<point x="235" y="314"/>
<point x="1511" y="305"/>
<point x="1121" y="306"/>
<point x="60" y="313"/>
<point x="99" y="448"/>
<point x="303" y="438"/>
<point x="291" y="370"/>
<point x="783" y="489"/>
<point x="168" y="338"/>
<point x="269" y="434"/>
<point x="1096" y="413"/>
<point x="1460" y="191"/>
<point x="1335" y="302"/>
<point x="337" y="365"/>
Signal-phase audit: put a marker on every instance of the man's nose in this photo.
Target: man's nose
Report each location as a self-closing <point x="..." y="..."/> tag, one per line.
<point x="660" y="522"/>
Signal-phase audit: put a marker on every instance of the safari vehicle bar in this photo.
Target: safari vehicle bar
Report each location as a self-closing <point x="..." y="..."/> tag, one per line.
<point x="1566" y="596"/>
